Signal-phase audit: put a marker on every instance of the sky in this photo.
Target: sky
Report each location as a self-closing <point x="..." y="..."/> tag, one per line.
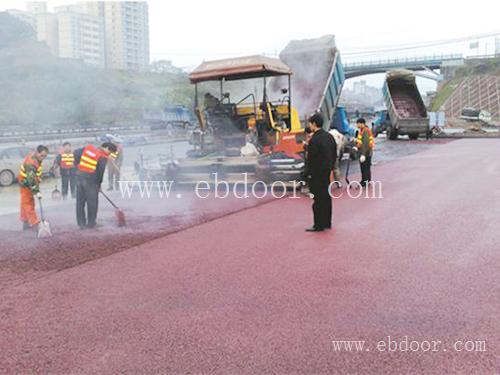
<point x="188" y="31"/>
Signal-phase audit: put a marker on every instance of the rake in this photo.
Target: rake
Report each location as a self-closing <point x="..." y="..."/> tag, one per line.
<point x="119" y="214"/>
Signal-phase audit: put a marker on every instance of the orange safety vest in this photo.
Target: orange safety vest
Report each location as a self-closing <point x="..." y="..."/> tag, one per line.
<point x="89" y="159"/>
<point x="67" y="160"/>
<point x="30" y="160"/>
<point x="114" y="155"/>
<point x="359" y="140"/>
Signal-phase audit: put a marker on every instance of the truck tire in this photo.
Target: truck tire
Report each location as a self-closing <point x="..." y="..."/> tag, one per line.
<point x="413" y="137"/>
<point x="392" y="134"/>
<point x="6" y="178"/>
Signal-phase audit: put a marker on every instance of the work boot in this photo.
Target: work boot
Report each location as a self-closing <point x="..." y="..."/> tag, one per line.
<point x="314" y="229"/>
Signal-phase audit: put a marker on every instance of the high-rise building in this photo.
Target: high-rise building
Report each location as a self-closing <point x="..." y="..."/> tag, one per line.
<point x="113" y="34"/>
<point x="36" y="7"/>
<point x="81" y="35"/>
<point x="126" y="27"/>
<point x="46" y="26"/>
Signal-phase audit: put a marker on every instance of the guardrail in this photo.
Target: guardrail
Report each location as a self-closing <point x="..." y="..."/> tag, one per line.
<point x="76" y="131"/>
<point x="405" y="60"/>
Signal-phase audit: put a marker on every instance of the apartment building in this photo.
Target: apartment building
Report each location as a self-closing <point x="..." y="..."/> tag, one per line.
<point x="127" y="35"/>
<point x="81" y="35"/>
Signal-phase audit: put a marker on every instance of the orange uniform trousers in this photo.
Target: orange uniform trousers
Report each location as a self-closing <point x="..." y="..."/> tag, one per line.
<point x="28" y="213"/>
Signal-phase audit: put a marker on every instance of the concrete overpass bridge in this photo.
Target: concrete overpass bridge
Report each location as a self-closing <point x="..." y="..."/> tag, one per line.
<point x="427" y="64"/>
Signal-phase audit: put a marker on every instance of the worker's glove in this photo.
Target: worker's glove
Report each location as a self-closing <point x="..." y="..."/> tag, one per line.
<point x="355" y="149"/>
<point x="39" y="195"/>
<point x="362" y="158"/>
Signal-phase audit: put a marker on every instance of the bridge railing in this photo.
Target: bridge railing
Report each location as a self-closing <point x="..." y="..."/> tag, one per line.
<point x="402" y="61"/>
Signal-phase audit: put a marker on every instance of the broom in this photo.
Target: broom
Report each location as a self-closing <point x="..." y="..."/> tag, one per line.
<point x="120" y="216"/>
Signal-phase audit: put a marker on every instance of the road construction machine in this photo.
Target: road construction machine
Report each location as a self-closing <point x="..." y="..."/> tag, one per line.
<point x="252" y="112"/>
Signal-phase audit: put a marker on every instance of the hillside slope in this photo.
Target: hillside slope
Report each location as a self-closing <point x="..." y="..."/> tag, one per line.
<point x="40" y="90"/>
<point x="475" y="85"/>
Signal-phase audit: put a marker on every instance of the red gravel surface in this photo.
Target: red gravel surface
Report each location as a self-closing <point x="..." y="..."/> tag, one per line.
<point x="253" y="293"/>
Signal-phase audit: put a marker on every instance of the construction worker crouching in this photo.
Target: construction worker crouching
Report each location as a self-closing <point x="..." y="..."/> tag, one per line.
<point x="365" y="144"/>
<point x="65" y="161"/>
<point x="90" y="163"/>
<point x="30" y="176"/>
<point x="115" y="161"/>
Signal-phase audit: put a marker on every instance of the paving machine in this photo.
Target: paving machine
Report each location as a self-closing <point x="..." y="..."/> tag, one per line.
<point x="248" y="117"/>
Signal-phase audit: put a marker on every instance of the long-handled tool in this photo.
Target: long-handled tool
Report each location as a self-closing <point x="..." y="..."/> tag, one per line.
<point x="43" y="226"/>
<point x="56" y="193"/>
<point x="347" y="171"/>
<point x="120" y="216"/>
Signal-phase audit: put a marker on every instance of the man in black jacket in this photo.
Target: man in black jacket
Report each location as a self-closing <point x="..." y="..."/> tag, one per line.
<point x="321" y="154"/>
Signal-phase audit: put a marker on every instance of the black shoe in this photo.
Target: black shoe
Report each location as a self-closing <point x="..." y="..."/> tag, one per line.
<point x="328" y="227"/>
<point x="82" y="227"/>
<point x="314" y="229"/>
<point x="26" y="226"/>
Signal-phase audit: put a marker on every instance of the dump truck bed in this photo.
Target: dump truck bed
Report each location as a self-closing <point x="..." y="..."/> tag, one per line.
<point x="317" y="79"/>
<point x="404" y="104"/>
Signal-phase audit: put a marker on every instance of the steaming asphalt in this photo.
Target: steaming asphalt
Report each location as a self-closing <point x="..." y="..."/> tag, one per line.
<point x="386" y="151"/>
<point x="252" y="292"/>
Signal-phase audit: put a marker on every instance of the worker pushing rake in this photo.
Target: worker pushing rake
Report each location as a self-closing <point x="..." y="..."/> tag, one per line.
<point x="90" y="162"/>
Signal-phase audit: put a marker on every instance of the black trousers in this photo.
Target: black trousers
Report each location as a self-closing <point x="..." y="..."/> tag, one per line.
<point x="87" y="197"/>
<point x="322" y="205"/>
<point x="68" y="179"/>
<point x="366" y="172"/>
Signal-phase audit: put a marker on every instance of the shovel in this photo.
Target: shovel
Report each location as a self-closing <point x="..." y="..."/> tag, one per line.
<point x="120" y="216"/>
<point x="56" y="193"/>
<point x="43" y="226"/>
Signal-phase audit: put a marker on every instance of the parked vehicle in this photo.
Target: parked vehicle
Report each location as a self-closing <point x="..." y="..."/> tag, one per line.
<point x="170" y="117"/>
<point x="381" y="122"/>
<point x="10" y="161"/>
<point x="473" y="114"/>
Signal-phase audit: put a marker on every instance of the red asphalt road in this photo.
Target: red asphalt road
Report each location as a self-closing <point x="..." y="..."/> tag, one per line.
<point x="253" y="293"/>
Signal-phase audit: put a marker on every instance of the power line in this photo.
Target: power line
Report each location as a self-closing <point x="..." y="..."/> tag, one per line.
<point x="434" y="43"/>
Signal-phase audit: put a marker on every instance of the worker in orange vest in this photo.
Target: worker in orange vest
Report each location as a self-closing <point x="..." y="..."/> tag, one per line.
<point x="65" y="161"/>
<point x="90" y="163"/>
<point x="30" y="176"/>
<point x="365" y="144"/>
<point x="115" y="161"/>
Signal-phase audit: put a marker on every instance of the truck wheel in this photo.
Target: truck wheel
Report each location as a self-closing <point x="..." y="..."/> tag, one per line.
<point x="392" y="134"/>
<point x="6" y="178"/>
<point x="413" y="137"/>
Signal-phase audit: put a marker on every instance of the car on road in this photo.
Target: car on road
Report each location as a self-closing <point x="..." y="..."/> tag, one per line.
<point x="10" y="160"/>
